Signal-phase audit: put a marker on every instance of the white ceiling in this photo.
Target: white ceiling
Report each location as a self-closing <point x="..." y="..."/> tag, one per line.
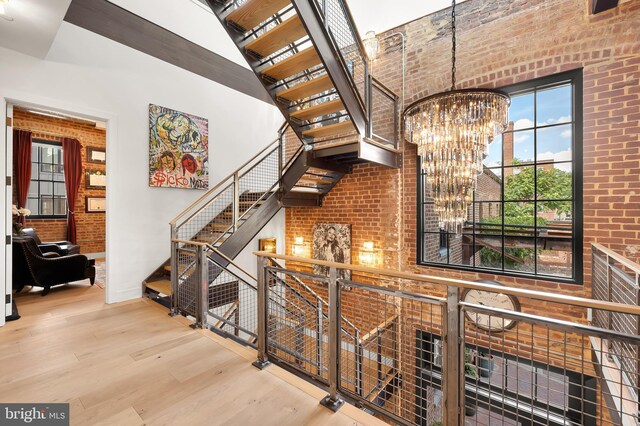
<point x="34" y="26"/>
<point x="382" y="15"/>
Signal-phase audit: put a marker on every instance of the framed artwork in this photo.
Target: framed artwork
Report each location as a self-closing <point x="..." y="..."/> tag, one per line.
<point x="95" y="204"/>
<point x="332" y="243"/>
<point x="95" y="179"/>
<point x="178" y="149"/>
<point x="96" y="155"/>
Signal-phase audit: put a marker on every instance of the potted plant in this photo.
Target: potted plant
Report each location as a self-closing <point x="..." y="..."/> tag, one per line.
<point x="485" y="364"/>
<point x="18" y="213"/>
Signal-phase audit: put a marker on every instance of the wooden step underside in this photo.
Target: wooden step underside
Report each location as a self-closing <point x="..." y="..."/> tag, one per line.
<point x="162" y="286"/>
<point x="253" y="12"/>
<point x="319" y="110"/>
<point x="293" y="65"/>
<point x="330" y="130"/>
<point x="307" y="89"/>
<point x="281" y="36"/>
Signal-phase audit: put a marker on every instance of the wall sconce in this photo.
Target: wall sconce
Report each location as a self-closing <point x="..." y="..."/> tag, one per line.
<point x="368" y="255"/>
<point x="371" y="45"/>
<point x="267" y="244"/>
<point x="298" y="247"/>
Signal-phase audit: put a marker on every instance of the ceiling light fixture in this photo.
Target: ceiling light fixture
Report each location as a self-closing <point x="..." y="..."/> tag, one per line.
<point x="3" y="12"/>
<point x="371" y="45"/>
<point x="453" y="130"/>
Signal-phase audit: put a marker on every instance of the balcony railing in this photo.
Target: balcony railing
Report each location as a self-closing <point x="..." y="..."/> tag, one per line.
<point x="446" y="351"/>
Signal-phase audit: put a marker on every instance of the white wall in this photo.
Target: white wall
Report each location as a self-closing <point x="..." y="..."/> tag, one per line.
<point x="188" y="20"/>
<point x="89" y="75"/>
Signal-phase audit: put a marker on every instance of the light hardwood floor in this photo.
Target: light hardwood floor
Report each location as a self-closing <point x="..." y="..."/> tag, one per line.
<point x="132" y="364"/>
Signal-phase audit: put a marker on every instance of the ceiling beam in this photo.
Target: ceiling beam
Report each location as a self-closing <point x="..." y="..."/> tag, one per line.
<point x="120" y="25"/>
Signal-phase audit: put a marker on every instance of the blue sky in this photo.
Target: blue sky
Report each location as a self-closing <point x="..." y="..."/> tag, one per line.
<point x="554" y="143"/>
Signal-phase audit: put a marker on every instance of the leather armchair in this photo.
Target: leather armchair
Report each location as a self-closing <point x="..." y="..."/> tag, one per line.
<point x="32" y="267"/>
<point x="63" y="248"/>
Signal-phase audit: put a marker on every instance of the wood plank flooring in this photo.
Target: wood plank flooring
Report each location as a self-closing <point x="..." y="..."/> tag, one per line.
<point x="132" y="364"/>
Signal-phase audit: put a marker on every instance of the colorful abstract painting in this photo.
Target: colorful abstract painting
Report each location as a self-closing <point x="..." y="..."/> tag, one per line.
<point x="178" y="149"/>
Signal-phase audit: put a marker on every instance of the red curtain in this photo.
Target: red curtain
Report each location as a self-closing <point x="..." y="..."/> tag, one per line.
<point x="72" y="158"/>
<point x="22" y="165"/>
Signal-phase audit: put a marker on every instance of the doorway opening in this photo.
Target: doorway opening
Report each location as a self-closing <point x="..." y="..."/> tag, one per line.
<point x="58" y="196"/>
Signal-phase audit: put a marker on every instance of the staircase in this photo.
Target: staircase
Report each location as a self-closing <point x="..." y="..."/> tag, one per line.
<point x="310" y="58"/>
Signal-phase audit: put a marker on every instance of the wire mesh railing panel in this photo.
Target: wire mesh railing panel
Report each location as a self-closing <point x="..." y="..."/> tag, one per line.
<point x="387" y="375"/>
<point x="613" y="280"/>
<point x="600" y="288"/>
<point x="345" y="37"/>
<point x="210" y="222"/>
<point x="232" y="305"/>
<point x="384" y="111"/>
<point x="624" y="290"/>
<point x="297" y="323"/>
<point x="188" y="279"/>
<point x="542" y="372"/>
<point x="256" y="183"/>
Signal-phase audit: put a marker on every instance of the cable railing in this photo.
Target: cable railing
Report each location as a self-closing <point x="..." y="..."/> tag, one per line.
<point x="446" y="351"/>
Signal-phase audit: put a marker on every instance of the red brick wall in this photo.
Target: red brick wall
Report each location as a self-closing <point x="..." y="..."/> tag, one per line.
<point x="90" y="226"/>
<point x="502" y="43"/>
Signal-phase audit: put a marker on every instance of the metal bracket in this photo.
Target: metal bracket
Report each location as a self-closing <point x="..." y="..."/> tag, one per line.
<point x="333" y="405"/>
<point x="261" y="365"/>
<point x="8" y="180"/>
<point x="8" y="240"/>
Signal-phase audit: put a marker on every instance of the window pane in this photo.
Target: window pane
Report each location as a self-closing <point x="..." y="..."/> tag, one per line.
<point x="457" y="246"/>
<point x="47" y="154"/>
<point x="45" y="168"/>
<point x="521" y="111"/>
<point x="553" y="105"/>
<point x="33" y="205"/>
<point x="59" y="188"/>
<point x="494" y="155"/>
<point x="555" y="182"/>
<point x="46" y="206"/>
<point x="518" y="147"/>
<point x="554" y="144"/>
<point x="488" y="252"/>
<point x="519" y="183"/>
<point x="489" y="186"/>
<point x="46" y="188"/>
<point x="520" y="378"/>
<point x="33" y="189"/>
<point x="432" y="251"/>
<point x="430" y="218"/>
<point x="552" y="389"/>
<point x="60" y="206"/>
<point x="519" y="254"/>
<point x="34" y="170"/>
<point x="488" y="217"/>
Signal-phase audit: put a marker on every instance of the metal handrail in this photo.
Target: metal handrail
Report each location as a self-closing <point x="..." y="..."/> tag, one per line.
<point x="472" y="285"/>
<point x="635" y="267"/>
<point x="278" y="140"/>
<point x="317" y="296"/>
<point x="222" y="181"/>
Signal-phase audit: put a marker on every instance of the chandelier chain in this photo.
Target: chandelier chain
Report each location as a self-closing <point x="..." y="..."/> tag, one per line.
<point x="453" y="45"/>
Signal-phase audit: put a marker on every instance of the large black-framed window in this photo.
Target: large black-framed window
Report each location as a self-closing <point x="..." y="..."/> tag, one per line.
<point x="47" y="194"/>
<point x="526" y="215"/>
<point x="510" y="390"/>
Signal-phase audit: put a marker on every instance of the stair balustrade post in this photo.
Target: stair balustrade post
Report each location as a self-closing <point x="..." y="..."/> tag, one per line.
<point x="319" y="336"/>
<point x="333" y="400"/>
<point x="202" y="289"/>
<point x="174" y="273"/>
<point x="263" y="324"/>
<point x="236" y="200"/>
<point x="452" y="369"/>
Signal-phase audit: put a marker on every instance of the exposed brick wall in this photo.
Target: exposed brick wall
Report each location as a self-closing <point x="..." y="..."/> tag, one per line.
<point x="90" y="226"/>
<point x="502" y="43"/>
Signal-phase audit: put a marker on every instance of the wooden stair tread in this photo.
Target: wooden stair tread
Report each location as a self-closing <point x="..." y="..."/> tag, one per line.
<point x="307" y="89"/>
<point x="253" y="12"/>
<point x="330" y="130"/>
<point x="284" y="34"/>
<point x="305" y="181"/>
<point x="319" y="110"/>
<point x="162" y="286"/>
<point x="293" y="64"/>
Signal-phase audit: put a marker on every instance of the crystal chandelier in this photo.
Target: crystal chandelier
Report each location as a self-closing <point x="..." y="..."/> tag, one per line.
<point x="453" y="131"/>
